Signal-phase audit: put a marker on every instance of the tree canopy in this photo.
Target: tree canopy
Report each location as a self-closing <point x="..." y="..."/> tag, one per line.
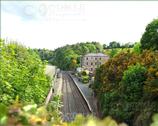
<point x="22" y="74"/>
<point x="68" y="57"/>
<point x="149" y="39"/>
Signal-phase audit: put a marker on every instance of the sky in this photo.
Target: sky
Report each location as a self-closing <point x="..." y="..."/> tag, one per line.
<point x="52" y="24"/>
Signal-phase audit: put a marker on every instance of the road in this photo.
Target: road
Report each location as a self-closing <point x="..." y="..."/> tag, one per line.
<point x="73" y="102"/>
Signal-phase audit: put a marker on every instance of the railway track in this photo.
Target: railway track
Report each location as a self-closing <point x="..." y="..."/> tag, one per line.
<point x="73" y="101"/>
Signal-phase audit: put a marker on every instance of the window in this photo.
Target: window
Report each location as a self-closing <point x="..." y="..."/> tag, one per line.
<point x="87" y="63"/>
<point x="91" y="63"/>
<point x="95" y="58"/>
<point x="100" y="58"/>
<point x="95" y="63"/>
<point x="87" y="58"/>
<point x="91" y="69"/>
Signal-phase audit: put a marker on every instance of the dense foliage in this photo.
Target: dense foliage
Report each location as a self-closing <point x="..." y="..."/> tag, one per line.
<point x="127" y="84"/>
<point x="137" y="48"/>
<point x="114" y="51"/>
<point x="83" y="76"/>
<point x="31" y="115"/>
<point x="69" y="56"/>
<point x="22" y="74"/>
<point x="114" y="44"/>
<point x="128" y="91"/>
<point x="133" y="81"/>
<point x="45" y="54"/>
<point x="149" y="39"/>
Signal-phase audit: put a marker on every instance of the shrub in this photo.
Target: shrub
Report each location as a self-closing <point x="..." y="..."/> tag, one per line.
<point x="22" y="74"/>
<point x="133" y="81"/>
<point x="85" y="73"/>
<point x="155" y="120"/>
<point x="137" y="48"/>
<point x="113" y="52"/>
<point x="127" y="86"/>
<point x="150" y="60"/>
<point x="109" y="75"/>
<point x="32" y="115"/>
<point x="85" y="79"/>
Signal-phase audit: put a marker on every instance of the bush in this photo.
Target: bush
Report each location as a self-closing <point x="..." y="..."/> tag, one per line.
<point x="85" y="79"/>
<point x="31" y="115"/>
<point x="127" y="86"/>
<point x="133" y="81"/>
<point x="85" y="73"/>
<point x="137" y="48"/>
<point x="109" y="75"/>
<point x="22" y="74"/>
<point x="155" y="120"/>
<point x="113" y="52"/>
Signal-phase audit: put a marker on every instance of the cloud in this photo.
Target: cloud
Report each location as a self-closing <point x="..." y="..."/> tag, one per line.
<point x="54" y="24"/>
<point x="27" y="10"/>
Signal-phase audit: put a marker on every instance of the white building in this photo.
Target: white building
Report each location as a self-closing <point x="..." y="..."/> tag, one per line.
<point x="91" y="61"/>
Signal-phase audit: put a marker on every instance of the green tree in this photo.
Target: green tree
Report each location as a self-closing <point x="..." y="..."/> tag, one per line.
<point x="113" y="52"/>
<point x="104" y="46"/>
<point x="137" y="48"/>
<point x="132" y="81"/>
<point x="114" y="45"/>
<point x="149" y="39"/>
<point x="63" y="57"/>
<point x="22" y="73"/>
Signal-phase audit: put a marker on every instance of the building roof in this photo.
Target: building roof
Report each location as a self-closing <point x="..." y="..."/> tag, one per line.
<point x="96" y="54"/>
